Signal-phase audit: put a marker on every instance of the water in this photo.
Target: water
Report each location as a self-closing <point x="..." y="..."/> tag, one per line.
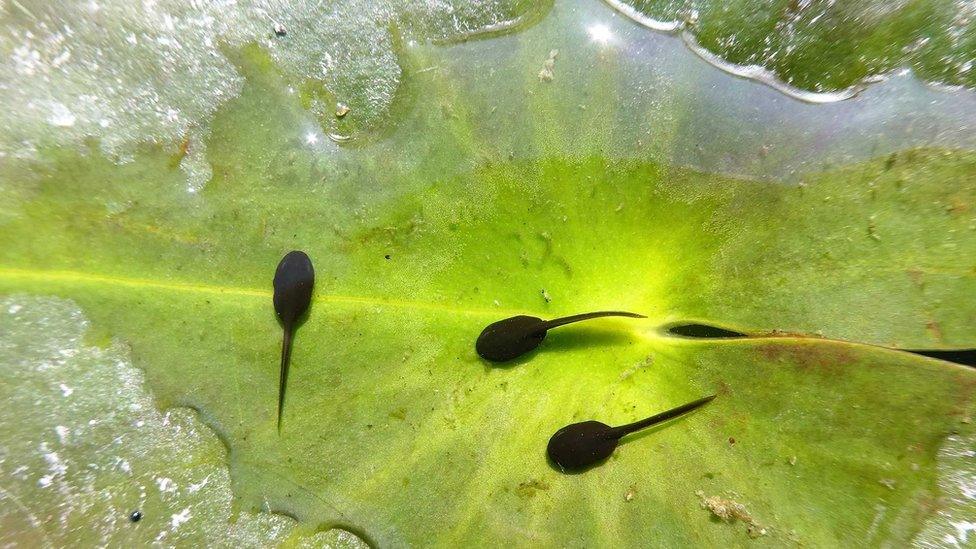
<point x="126" y="74"/>
<point x="89" y="446"/>
<point x="667" y="105"/>
<point x="955" y="522"/>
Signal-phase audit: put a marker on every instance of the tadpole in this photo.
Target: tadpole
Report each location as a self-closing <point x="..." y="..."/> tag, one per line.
<point x="512" y="337"/>
<point x="581" y="445"/>
<point x="293" y="283"/>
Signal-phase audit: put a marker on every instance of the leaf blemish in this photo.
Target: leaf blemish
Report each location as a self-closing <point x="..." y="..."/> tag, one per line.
<point x="890" y="162"/>
<point x="629" y="372"/>
<point x="529" y="489"/>
<point x="579" y="446"/>
<point x="399" y="413"/>
<point x="729" y="510"/>
<point x="827" y="359"/>
<point x="293" y="282"/>
<point x="515" y="336"/>
<point x="548" y="67"/>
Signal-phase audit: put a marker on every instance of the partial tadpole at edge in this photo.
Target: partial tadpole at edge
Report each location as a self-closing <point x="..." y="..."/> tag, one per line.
<point x="293" y="282"/>
<point x="512" y="337"/>
<point x="699" y="330"/>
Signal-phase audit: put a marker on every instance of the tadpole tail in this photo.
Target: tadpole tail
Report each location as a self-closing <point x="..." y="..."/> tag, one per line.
<point x="283" y="374"/>
<point x="618" y="432"/>
<point x="549" y="324"/>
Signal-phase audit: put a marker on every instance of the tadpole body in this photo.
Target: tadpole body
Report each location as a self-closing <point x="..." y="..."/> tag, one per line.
<point x="581" y="445"/>
<point x="293" y="282"/>
<point x="512" y="337"/>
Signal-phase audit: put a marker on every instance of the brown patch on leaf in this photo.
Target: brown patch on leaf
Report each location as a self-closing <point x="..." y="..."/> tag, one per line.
<point x="890" y="161"/>
<point x="786" y="333"/>
<point x="399" y="413"/>
<point x="827" y="358"/>
<point x="917" y="276"/>
<point x="723" y="389"/>
<point x="957" y="207"/>
<point x="181" y="153"/>
<point x="930" y="505"/>
<point x="873" y="229"/>
<point x="528" y="489"/>
<point x="934" y="329"/>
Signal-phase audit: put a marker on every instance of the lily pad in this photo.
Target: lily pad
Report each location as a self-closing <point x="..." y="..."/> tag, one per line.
<point x="495" y="192"/>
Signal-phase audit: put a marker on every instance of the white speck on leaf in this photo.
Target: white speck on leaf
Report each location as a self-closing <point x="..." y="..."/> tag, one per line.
<point x="963" y="529"/>
<point x="179" y="518"/>
<point x="62" y="433"/>
<point x="166" y="485"/>
<point x="196" y="487"/>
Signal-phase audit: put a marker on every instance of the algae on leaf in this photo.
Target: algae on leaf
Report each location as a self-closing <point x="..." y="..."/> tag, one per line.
<point x="618" y="185"/>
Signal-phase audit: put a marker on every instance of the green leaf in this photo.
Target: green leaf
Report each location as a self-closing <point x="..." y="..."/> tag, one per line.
<point x="493" y="193"/>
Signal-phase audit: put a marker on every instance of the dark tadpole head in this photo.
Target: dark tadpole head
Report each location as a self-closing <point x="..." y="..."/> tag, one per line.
<point x="510" y="338"/>
<point x="581" y="445"/>
<point x="293" y="281"/>
<point x="513" y="337"/>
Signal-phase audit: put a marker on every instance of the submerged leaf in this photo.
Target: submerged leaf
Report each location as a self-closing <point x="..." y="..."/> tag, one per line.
<point x="821" y="45"/>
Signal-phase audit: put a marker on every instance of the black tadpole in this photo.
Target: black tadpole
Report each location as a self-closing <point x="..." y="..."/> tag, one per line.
<point x="513" y="337"/>
<point x="582" y="445"/>
<point x="293" y="283"/>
